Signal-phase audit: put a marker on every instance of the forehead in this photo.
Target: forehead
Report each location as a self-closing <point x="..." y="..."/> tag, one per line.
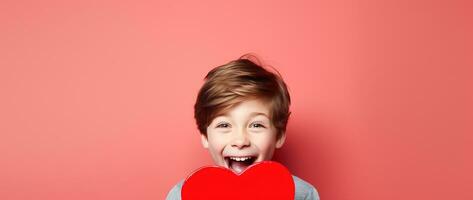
<point x="248" y="108"/>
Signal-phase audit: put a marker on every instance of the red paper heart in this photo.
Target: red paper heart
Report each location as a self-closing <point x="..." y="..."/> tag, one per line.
<point x="264" y="180"/>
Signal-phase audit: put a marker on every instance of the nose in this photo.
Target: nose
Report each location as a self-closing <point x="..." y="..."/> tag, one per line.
<point x="240" y="139"/>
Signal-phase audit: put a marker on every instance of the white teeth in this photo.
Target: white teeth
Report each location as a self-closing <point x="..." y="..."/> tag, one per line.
<point x="240" y="158"/>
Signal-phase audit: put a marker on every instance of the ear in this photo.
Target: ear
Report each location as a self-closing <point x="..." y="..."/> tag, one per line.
<point x="280" y="141"/>
<point x="204" y="141"/>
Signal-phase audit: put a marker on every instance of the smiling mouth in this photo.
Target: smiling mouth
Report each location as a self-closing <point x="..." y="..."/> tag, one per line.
<point x="239" y="163"/>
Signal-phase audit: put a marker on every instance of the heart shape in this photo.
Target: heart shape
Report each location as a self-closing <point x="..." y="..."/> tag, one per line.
<point x="263" y="180"/>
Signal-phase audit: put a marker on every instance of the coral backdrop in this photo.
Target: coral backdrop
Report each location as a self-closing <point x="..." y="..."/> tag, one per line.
<point x="97" y="96"/>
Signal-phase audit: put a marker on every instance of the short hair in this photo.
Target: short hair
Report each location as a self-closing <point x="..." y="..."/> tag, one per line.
<point x="239" y="80"/>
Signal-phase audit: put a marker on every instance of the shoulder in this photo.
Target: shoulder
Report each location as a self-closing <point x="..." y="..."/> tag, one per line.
<point x="175" y="192"/>
<point x="304" y="190"/>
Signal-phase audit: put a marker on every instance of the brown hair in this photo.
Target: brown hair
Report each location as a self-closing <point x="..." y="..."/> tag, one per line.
<point x="239" y="80"/>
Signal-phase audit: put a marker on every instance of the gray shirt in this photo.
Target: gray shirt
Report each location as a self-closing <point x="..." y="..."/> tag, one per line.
<point x="304" y="190"/>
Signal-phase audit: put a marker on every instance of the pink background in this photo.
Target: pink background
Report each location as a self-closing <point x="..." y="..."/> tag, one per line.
<point x="97" y="97"/>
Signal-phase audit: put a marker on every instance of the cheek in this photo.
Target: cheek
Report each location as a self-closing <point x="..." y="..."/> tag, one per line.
<point x="265" y="143"/>
<point x="216" y="142"/>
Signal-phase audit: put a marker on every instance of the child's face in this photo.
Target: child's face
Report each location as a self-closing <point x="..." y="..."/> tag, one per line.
<point x="242" y="136"/>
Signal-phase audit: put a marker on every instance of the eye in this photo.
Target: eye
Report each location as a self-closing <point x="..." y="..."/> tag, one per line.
<point x="257" y="125"/>
<point x="223" y="125"/>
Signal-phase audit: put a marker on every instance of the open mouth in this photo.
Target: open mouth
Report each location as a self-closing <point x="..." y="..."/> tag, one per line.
<point x="239" y="163"/>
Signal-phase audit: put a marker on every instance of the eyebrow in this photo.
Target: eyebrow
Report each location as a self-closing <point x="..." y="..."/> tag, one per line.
<point x="253" y="114"/>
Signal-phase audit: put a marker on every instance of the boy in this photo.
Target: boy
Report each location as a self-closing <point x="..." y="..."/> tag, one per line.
<point x="241" y="112"/>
